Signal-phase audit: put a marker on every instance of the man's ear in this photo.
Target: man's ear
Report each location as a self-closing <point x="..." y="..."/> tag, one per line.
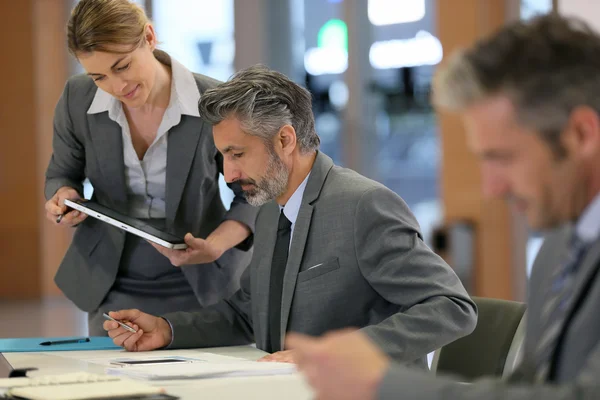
<point x="287" y="139"/>
<point x="585" y="133"/>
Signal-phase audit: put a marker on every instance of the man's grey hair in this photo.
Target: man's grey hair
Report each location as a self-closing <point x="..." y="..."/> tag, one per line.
<point x="547" y="67"/>
<point x="264" y="101"/>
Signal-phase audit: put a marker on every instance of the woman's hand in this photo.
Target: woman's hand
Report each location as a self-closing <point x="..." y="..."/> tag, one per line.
<point x="56" y="211"/>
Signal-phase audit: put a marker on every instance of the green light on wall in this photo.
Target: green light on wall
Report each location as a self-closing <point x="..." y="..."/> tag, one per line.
<point x="333" y="34"/>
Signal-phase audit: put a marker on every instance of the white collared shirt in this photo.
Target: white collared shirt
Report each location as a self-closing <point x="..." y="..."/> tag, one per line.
<point x="292" y="207"/>
<point x="588" y="225"/>
<point x="145" y="179"/>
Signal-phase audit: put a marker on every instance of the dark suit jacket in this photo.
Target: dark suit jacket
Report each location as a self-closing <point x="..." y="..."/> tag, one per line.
<point x="90" y="145"/>
<point x="576" y="364"/>
<point x="357" y="259"/>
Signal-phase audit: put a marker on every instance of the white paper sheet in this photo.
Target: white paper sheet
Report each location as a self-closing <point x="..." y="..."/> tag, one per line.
<point x="204" y="370"/>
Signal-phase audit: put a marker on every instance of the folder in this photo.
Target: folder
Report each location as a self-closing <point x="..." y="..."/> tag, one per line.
<point x="13" y="345"/>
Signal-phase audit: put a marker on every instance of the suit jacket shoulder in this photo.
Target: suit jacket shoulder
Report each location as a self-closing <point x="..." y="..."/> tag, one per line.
<point x="369" y="199"/>
<point x="80" y="90"/>
<point x="205" y="82"/>
<point x="342" y="184"/>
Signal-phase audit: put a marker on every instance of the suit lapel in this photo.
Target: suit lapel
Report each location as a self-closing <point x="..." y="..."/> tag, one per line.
<point x="589" y="265"/>
<point x="108" y="143"/>
<point x="264" y="245"/>
<point x="181" y="149"/>
<point x="320" y="169"/>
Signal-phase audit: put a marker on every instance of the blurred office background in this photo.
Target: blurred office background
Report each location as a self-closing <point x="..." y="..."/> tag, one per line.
<point x="368" y="64"/>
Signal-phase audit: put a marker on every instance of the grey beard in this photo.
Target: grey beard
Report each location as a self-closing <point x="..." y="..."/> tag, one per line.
<point x="272" y="185"/>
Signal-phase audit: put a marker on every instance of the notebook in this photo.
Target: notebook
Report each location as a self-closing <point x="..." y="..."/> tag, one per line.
<point x="79" y="386"/>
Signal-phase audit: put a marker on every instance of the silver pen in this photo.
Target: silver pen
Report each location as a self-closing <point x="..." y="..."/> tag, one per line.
<point x="124" y="326"/>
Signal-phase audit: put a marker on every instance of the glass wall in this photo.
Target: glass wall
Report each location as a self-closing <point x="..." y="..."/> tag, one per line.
<point x="198" y="34"/>
<point x="403" y="54"/>
<point x="531" y="8"/>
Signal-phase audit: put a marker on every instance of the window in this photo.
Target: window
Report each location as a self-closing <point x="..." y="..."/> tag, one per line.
<point x="198" y="34"/>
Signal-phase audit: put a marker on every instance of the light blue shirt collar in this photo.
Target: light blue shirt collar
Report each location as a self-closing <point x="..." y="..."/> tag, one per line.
<point x="588" y="225"/>
<point x="292" y="207"/>
<point x="184" y="95"/>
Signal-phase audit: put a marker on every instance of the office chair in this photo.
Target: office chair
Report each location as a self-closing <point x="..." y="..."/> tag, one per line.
<point x="493" y="349"/>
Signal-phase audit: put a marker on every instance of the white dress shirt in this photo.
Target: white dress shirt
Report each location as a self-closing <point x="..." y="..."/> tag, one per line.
<point x="145" y="179"/>
<point x="588" y="225"/>
<point x="292" y="207"/>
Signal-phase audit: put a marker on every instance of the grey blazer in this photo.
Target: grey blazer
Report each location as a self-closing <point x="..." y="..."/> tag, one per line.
<point x="357" y="259"/>
<point x="576" y="363"/>
<point x="90" y="145"/>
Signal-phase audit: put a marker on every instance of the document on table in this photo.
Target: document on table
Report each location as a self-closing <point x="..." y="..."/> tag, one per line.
<point x="109" y="360"/>
<point x="201" y="370"/>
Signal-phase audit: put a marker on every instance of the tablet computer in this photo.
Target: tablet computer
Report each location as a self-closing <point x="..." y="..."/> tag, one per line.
<point x="128" y="224"/>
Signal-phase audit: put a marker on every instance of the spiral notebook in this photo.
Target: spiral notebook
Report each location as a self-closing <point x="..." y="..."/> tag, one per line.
<point x="79" y="386"/>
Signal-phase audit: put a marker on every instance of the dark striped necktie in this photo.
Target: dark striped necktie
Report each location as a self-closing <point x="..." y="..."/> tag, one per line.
<point x="557" y="305"/>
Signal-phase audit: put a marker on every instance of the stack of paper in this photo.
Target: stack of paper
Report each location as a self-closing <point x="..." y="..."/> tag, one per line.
<point x="205" y="370"/>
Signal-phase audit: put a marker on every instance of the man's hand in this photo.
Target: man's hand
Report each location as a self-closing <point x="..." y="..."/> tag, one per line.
<point x="199" y="251"/>
<point x="55" y="207"/>
<point x="286" y="356"/>
<point x="152" y="332"/>
<point x="343" y="365"/>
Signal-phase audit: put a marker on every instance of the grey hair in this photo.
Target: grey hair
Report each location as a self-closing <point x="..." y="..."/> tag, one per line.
<point x="547" y="67"/>
<point x="264" y="101"/>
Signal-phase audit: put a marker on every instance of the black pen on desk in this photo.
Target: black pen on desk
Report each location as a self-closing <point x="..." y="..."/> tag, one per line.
<point x="69" y="341"/>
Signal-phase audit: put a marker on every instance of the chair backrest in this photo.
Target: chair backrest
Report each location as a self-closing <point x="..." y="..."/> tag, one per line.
<point x="494" y="348"/>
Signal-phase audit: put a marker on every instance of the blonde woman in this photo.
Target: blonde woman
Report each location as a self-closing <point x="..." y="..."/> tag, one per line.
<point x="131" y="125"/>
